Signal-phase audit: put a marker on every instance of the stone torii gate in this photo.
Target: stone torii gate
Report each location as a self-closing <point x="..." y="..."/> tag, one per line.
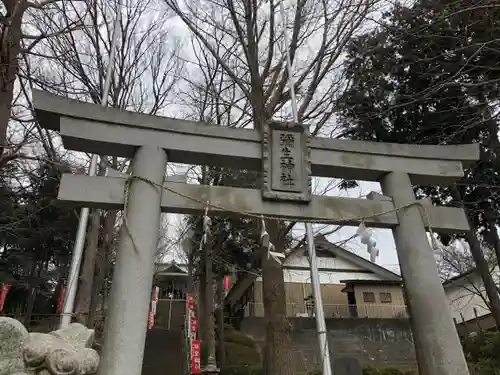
<point x="288" y="158"/>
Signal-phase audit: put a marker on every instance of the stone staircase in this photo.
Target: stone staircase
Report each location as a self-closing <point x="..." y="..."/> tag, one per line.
<point x="164" y="349"/>
<point x="163" y="353"/>
<point x="177" y="314"/>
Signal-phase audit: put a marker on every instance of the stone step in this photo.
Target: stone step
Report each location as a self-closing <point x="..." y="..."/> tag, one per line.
<point x="177" y="314"/>
<point x="163" y="353"/>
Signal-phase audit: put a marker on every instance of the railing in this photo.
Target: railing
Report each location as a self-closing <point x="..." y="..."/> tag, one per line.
<point x="346" y="311"/>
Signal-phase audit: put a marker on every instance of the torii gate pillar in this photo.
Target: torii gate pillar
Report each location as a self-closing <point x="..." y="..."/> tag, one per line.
<point x="126" y="323"/>
<point x="437" y="344"/>
<point x="91" y="128"/>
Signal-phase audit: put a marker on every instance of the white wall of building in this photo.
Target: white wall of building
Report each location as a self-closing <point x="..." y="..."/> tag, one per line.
<point x="300" y="260"/>
<point x="326" y="277"/>
<point x="337" y="268"/>
<point x="466" y="297"/>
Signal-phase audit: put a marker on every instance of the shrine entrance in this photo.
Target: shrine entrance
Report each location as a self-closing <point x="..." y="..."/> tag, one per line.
<point x="287" y="157"/>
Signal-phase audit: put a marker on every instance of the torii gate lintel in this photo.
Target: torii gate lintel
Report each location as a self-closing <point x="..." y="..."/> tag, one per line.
<point x="149" y="139"/>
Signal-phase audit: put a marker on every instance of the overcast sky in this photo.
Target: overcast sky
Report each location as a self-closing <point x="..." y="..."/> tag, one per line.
<point x="387" y="253"/>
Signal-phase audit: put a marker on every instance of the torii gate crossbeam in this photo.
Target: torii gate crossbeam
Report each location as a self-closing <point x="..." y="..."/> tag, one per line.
<point x="149" y="140"/>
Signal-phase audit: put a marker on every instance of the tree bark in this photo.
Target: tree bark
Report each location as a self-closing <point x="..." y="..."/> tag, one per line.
<point x="88" y="269"/>
<point x="277" y="355"/>
<point x="210" y="363"/>
<point x="190" y="269"/>
<point x="221" y="345"/>
<point x="101" y="266"/>
<point x="202" y="308"/>
<point x="96" y="290"/>
<point x="10" y="49"/>
<point x="490" y="222"/>
<point x="481" y="264"/>
<point x="29" y="306"/>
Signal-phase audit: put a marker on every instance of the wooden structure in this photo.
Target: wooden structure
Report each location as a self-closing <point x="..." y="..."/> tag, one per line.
<point x="345" y="278"/>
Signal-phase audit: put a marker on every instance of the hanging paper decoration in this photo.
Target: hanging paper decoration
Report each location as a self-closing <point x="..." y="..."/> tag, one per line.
<point x="60" y="301"/>
<point x="275" y="255"/>
<point x="206" y="228"/>
<point x="3" y="295"/>
<point x="368" y="240"/>
<point x="438" y="249"/>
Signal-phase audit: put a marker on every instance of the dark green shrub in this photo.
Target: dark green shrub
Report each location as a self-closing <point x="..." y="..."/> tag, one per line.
<point x="482" y="353"/>
<point x="241" y="370"/>
<point x="370" y="370"/>
<point x="236" y="337"/>
<point x="374" y="370"/>
<point x="242" y="356"/>
<point x="391" y="371"/>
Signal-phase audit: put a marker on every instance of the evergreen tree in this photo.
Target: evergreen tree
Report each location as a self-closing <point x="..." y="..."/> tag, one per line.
<point x="429" y="75"/>
<point x="37" y="234"/>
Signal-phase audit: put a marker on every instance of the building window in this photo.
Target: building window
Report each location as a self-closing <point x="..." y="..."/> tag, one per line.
<point x="369" y="297"/>
<point x="310" y="305"/>
<point x="385" y="298"/>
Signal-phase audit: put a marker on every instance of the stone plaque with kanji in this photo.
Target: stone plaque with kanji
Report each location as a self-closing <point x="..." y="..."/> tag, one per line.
<point x="285" y="152"/>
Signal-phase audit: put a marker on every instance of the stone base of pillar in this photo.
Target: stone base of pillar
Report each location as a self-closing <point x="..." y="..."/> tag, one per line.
<point x="210" y="369"/>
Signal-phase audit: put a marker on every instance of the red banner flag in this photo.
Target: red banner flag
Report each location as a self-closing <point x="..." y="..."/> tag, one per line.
<point x="195" y="357"/>
<point x="60" y="301"/>
<point x="154" y="300"/>
<point x="227" y="283"/>
<point x="3" y="295"/>
<point x="156" y="294"/>
<point x="151" y="320"/>
<point x="191" y="303"/>
<point x="194" y="326"/>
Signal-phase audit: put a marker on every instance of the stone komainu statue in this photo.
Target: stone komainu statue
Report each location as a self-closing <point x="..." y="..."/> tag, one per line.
<point x="63" y="352"/>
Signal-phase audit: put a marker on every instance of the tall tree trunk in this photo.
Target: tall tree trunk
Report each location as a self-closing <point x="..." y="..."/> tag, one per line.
<point x="10" y="49"/>
<point x="491" y="227"/>
<point x="30" y="297"/>
<point x="88" y="269"/>
<point x="210" y="364"/>
<point x="29" y="306"/>
<point x="96" y="290"/>
<point x="190" y="268"/>
<point x="202" y="309"/>
<point x="481" y="264"/>
<point x="107" y="276"/>
<point x="221" y="345"/>
<point x="33" y="288"/>
<point x="277" y="356"/>
<point x="492" y="161"/>
<point x="101" y="265"/>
